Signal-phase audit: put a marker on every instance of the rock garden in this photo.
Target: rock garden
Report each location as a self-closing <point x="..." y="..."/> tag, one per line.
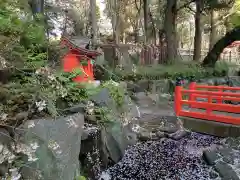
<point x="53" y="128"/>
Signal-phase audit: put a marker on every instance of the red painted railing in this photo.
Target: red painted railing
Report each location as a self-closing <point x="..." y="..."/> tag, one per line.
<point x="215" y="96"/>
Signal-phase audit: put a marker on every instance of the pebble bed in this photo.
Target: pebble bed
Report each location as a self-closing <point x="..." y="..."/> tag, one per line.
<point x="165" y="159"/>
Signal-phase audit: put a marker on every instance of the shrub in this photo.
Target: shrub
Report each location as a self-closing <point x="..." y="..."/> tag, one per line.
<point x="185" y="70"/>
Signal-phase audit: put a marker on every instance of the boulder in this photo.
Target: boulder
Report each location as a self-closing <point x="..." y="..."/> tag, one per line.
<point x="210" y="157"/>
<point x="56" y="147"/>
<point x="226" y="171"/>
<point x="117" y="133"/>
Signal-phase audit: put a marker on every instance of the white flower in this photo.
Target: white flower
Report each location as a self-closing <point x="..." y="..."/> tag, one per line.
<point x="59" y="152"/>
<point x="31" y="124"/>
<point x="63" y="93"/>
<point x="34" y="145"/>
<point x="32" y="159"/>
<point x="90" y="103"/>
<point x="114" y="83"/>
<point x="105" y="176"/>
<point x="38" y="71"/>
<point x="11" y="158"/>
<point x="41" y="105"/>
<point x="4" y="64"/>
<point x="136" y="128"/>
<point x="51" y="77"/>
<point x="15" y="175"/>
<point x="71" y="122"/>
<point x="53" y="145"/>
<point x="90" y="107"/>
<point x="3" y="116"/>
<point x="134" y="69"/>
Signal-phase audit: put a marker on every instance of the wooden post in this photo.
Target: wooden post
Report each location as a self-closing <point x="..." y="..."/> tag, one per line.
<point x="192" y="86"/>
<point x="178" y="97"/>
<point x="209" y="110"/>
<point x="219" y="101"/>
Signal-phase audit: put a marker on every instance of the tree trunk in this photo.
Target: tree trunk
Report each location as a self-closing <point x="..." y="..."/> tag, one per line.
<point x="146" y="33"/>
<point x="115" y="22"/>
<point x="154" y="33"/>
<point x="198" y="32"/>
<point x="136" y="35"/>
<point x="227" y="24"/>
<point x="116" y="31"/>
<point x="217" y="49"/>
<point x="170" y="29"/>
<point x="37" y="6"/>
<point x="145" y="13"/>
<point x="213" y="30"/>
<point x="93" y="8"/>
<point x="162" y="52"/>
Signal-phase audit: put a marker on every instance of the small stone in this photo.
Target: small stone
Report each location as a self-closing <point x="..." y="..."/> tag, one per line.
<point x="144" y="136"/>
<point x="179" y="134"/>
<point x="226" y="171"/>
<point x="168" y="129"/>
<point x="153" y="136"/>
<point x="213" y="174"/>
<point x="3" y="169"/>
<point x="210" y="157"/>
<point x="160" y="134"/>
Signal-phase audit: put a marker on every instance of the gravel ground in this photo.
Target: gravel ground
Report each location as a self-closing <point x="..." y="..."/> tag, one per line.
<point x="164" y="160"/>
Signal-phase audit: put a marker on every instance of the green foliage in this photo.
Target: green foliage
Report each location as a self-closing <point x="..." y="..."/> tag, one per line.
<point x="185" y="70"/>
<point x="75" y="92"/>
<point x="34" y="88"/>
<point x="80" y="178"/>
<point x="235" y="17"/>
<point x="116" y="92"/>
<point x="103" y="115"/>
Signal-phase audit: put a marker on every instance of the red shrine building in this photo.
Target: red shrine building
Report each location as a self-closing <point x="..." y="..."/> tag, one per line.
<point x="78" y="56"/>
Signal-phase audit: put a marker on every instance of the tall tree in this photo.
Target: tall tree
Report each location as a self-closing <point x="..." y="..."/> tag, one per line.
<point x="198" y="31"/>
<point x="37" y="6"/>
<point x="170" y="29"/>
<point x="217" y="49"/>
<point x="213" y="28"/>
<point x="93" y="8"/>
<point x="229" y="38"/>
<point x="146" y="15"/>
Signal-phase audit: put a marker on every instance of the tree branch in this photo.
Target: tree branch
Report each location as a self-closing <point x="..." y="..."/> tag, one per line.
<point x="185" y="5"/>
<point x="190" y="9"/>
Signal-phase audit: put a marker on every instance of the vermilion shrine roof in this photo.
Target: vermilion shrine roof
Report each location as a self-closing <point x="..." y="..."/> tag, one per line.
<point x="79" y="44"/>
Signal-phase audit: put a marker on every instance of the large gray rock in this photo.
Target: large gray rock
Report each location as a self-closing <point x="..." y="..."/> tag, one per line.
<point x="57" y="147"/>
<point x="117" y="133"/>
<point x="103" y="98"/>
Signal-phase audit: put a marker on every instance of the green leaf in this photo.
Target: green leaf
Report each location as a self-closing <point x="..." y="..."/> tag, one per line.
<point x="81" y="178"/>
